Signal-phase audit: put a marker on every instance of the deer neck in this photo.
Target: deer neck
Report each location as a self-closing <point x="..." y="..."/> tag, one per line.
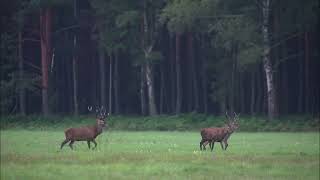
<point x="98" y="129"/>
<point x="229" y="129"/>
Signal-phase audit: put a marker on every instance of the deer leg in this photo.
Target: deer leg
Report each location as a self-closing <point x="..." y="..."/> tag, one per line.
<point x="204" y="145"/>
<point x="95" y="143"/>
<point x="225" y="144"/>
<point x="201" y="143"/>
<point x="64" y="142"/>
<point x="71" y="143"/>
<point x="221" y="145"/>
<point x="88" y="144"/>
<point x="212" y="145"/>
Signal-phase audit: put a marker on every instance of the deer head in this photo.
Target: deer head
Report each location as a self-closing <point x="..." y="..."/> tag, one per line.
<point x="233" y="122"/>
<point x="101" y="115"/>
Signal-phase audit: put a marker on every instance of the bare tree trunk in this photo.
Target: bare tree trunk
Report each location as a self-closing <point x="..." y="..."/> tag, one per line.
<point x="162" y="89"/>
<point x="253" y="94"/>
<point x="22" y="92"/>
<point x="45" y="36"/>
<point x="276" y="53"/>
<point x="172" y="75"/>
<point x="189" y="96"/>
<point x="204" y="77"/>
<point x="74" y="67"/>
<point x="193" y="73"/>
<point x="142" y="91"/>
<point x="223" y="103"/>
<point x="116" y="83"/>
<point x="205" y="90"/>
<point x="264" y="109"/>
<point x="300" y="95"/>
<point x="75" y="78"/>
<point x="242" y="92"/>
<point x="306" y="71"/>
<point x="189" y="90"/>
<point x="150" y="85"/>
<point x="285" y="90"/>
<point x="272" y="112"/>
<point x="178" y="75"/>
<point x="232" y="82"/>
<point x="148" y="42"/>
<point x="102" y="74"/>
<point x="110" y="83"/>
<point x="260" y="94"/>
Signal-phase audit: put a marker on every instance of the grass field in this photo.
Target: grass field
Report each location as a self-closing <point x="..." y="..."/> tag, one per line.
<point x="159" y="155"/>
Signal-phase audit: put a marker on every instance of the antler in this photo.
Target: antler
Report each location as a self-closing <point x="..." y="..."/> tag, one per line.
<point x="228" y="118"/>
<point x="100" y="111"/>
<point x="97" y="110"/>
<point x="227" y="115"/>
<point x="236" y="116"/>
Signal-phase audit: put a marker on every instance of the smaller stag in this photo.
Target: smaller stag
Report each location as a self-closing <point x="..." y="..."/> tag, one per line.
<point x="219" y="134"/>
<point x="87" y="133"/>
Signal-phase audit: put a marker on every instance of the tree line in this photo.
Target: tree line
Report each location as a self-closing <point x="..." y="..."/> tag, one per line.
<point x="151" y="57"/>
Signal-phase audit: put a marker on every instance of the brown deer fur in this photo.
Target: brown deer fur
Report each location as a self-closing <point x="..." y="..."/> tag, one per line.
<point x="218" y="134"/>
<point x="86" y="133"/>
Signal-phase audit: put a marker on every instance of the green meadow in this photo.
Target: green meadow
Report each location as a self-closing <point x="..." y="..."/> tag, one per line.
<point x="35" y="154"/>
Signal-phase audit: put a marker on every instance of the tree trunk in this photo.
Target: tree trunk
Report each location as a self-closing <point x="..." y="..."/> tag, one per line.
<point x="242" y="92"/>
<point x="285" y="90"/>
<point x="22" y="92"/>
<point x="193" y="73"/>
<point x="232" y="82"/>
<point x="148" y="42"/>
<point x="300" y="90"/>
<point x="222" y="103"/>
<point x="272" y="112"/>
<point x="110" y="83"/>
<point x="74" y="67"/>
<point x="102" y="74"/>
<point x="172" y="75"/>
<point x="45" y="36"/>
<point x="204" y="90"/>
<point x="162" y="88"/>
<point x="178" y="75"/>
<point x="253" y="94"/>
<point x="75" y="78"/>
<point x="189" y="98"/>
<point x="150" y="86"/>
<point x="116" y="83"/>
<point x="142" y="91"/>
<point x="204" y="77"/>
<point x="306" y="71"/>
<point x="260" y="93"/>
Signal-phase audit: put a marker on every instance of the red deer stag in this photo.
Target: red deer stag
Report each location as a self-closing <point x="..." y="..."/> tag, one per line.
<point x="87" y="133"/>
<point x="219" y="134"/>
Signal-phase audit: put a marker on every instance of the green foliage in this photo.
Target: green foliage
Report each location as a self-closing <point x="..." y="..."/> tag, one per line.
<point x="240" y="31"/>
<point x="10" y="82"/>
<point x="299" y="17"/>
<point x="159" y="155"/>
<point x="107" y="33"/>
<point x="184" y="122"/>
<point x="36" y="4"/>
<point x="238" y="47"/>
<point x="127" y="18"/>
<point x="183" y="15"/>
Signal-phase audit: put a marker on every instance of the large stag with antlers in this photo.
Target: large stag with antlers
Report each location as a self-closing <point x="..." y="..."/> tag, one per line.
<point x="219" y="134"/>
<point x="87" y="133"/>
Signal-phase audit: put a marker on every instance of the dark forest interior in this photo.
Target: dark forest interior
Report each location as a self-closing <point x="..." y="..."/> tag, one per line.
<point x="152" y="57"/>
